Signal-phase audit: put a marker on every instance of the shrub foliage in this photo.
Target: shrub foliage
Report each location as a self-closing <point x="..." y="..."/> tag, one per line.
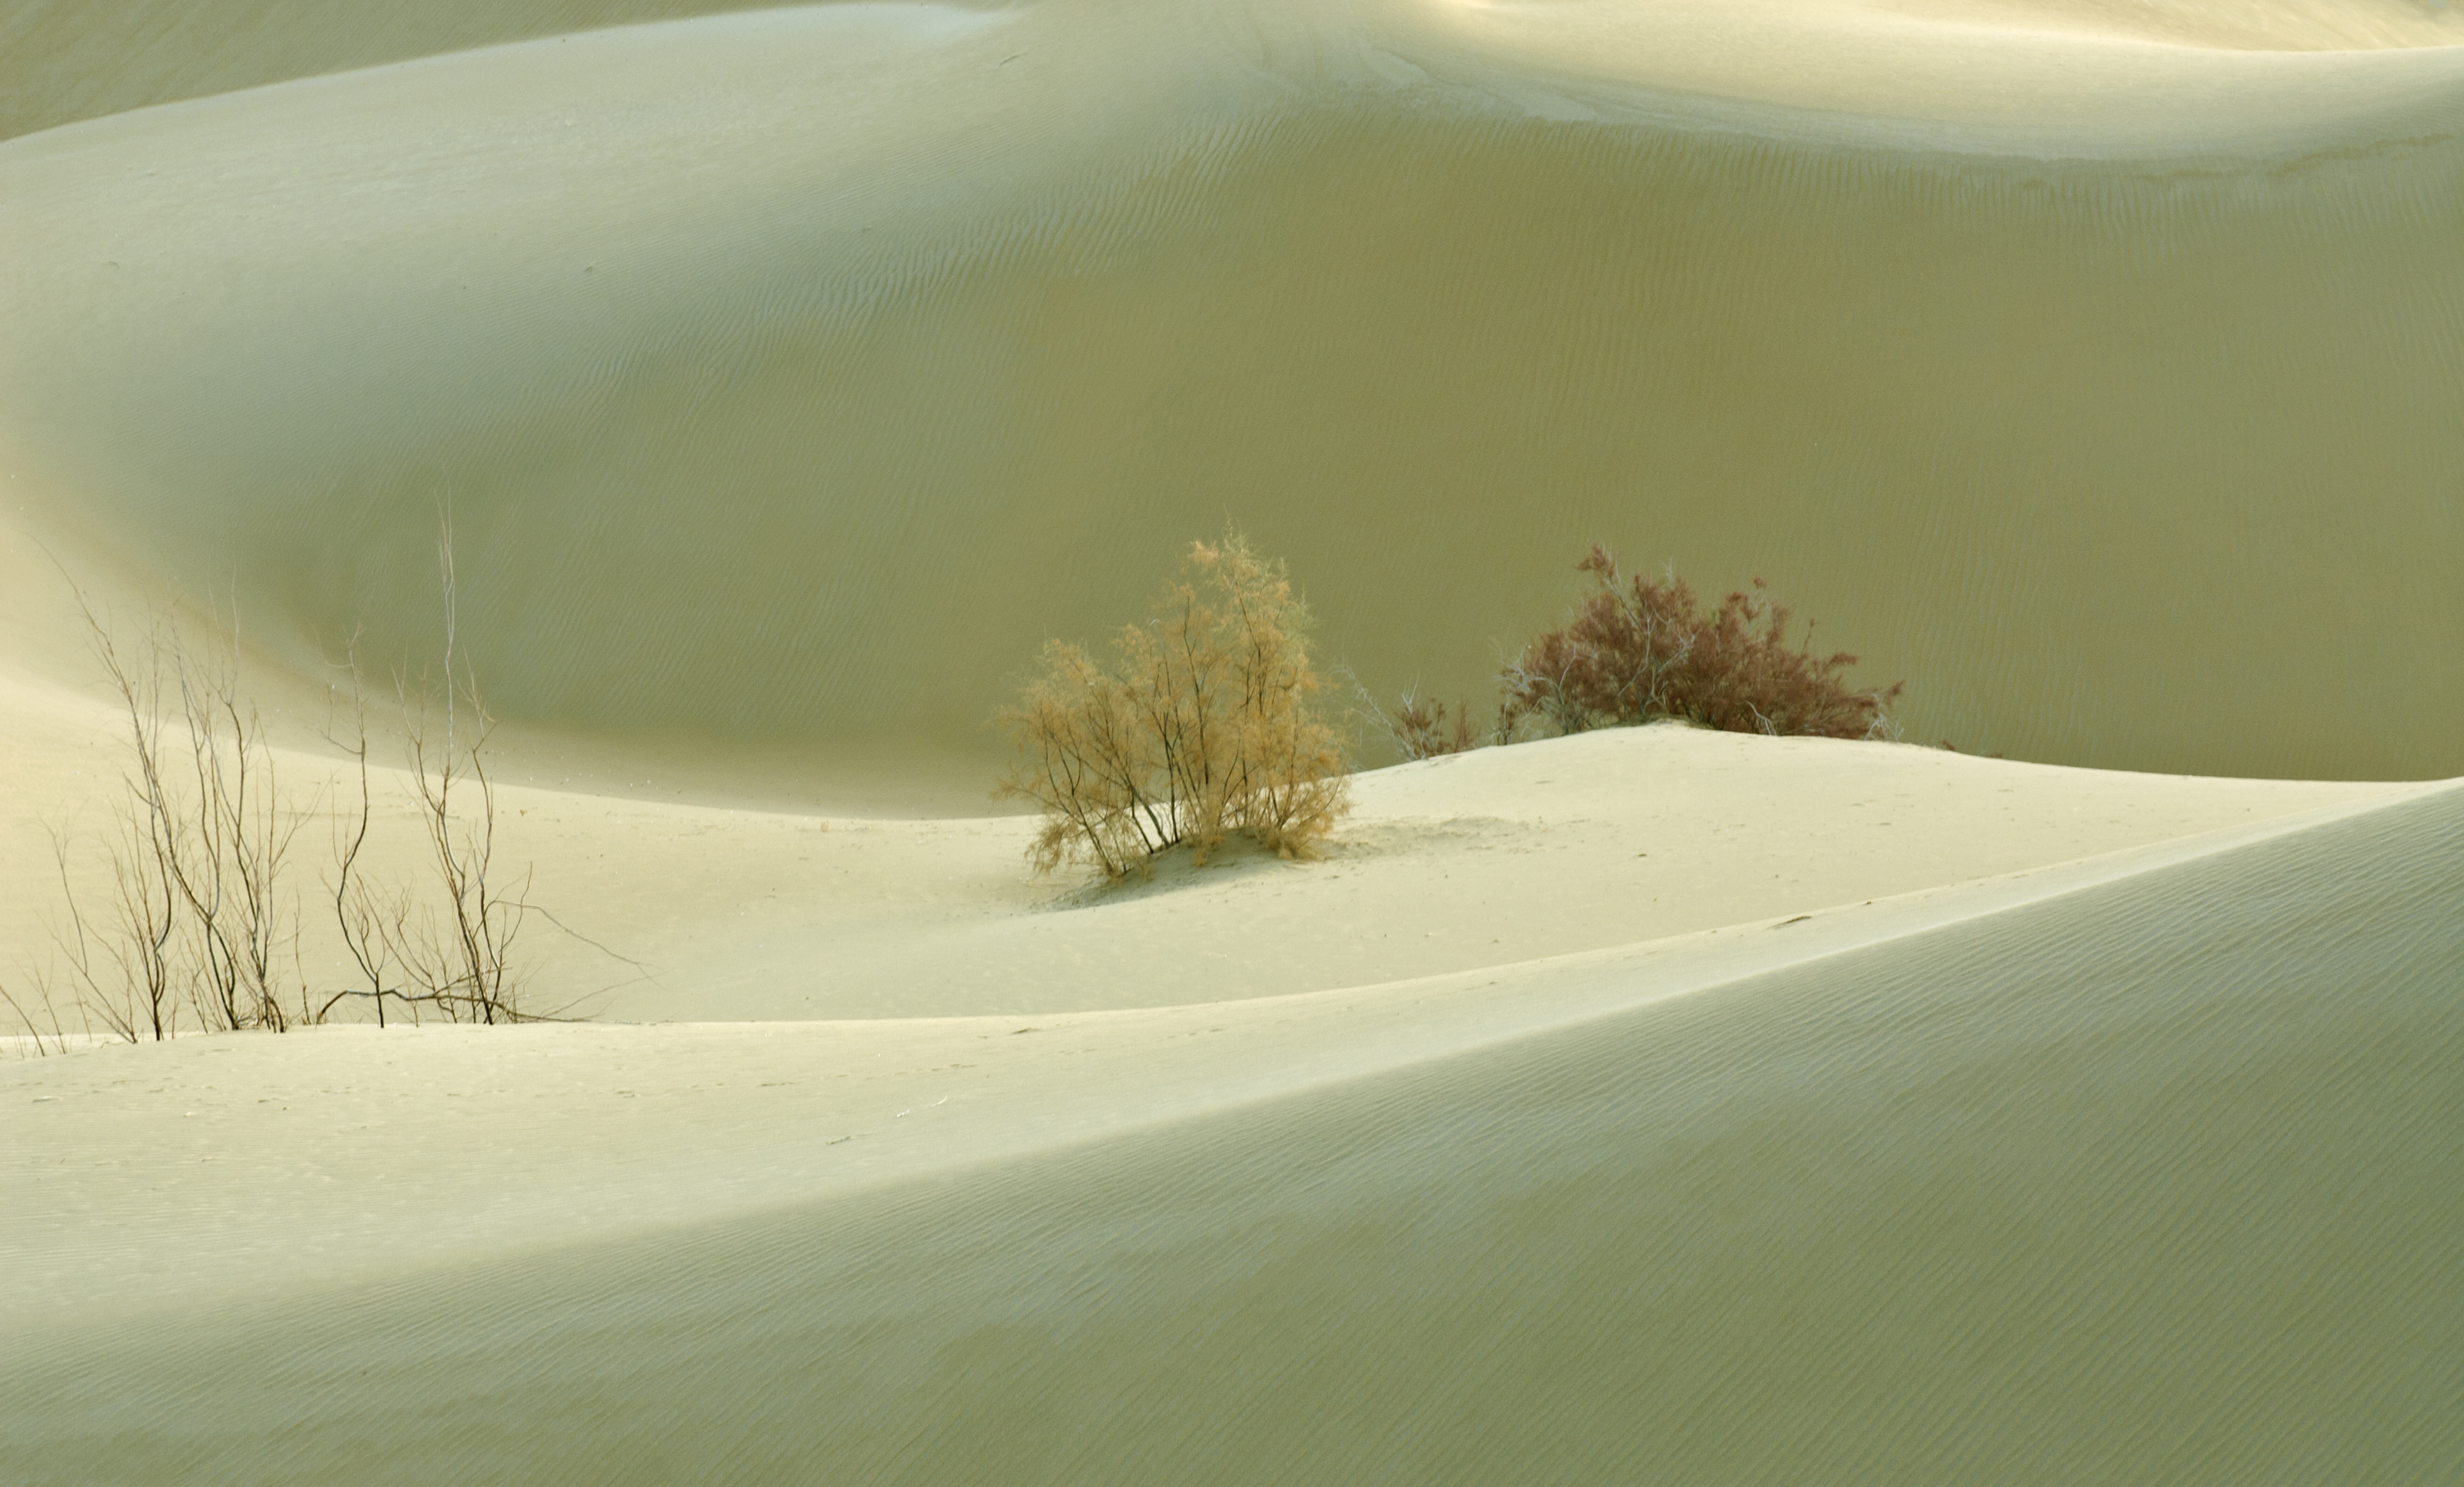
<point x="1202" y="727"/>
<point x="1638" y="648"/>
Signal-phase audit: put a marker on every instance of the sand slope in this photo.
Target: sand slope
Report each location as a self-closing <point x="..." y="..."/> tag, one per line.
<point x="62" y="60"/>
<point x="679" y="910"/>
<point x="2153" y="1176"/>
<point x="790" y="375"/>
<point x="1649" y="1104"/>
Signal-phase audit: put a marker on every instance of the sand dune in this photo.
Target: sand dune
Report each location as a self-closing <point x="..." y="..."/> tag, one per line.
<point x="682" y="910"/>
<point x="622" y="1124"/>
<point x="62" y="60"/>
<point x="2056" y="79"/>
<point x="789" y="374"/>
<point x="2115" y="1176"/>
<point x="1644" y="1105"/>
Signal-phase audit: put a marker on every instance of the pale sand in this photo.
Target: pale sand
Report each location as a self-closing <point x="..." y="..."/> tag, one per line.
<point x="1497" y="856"/>
<point x="792" y="374"/>
<point x="1644" y="1103"/>
<point x="574" y="1132"/>
<point x="2033" y="1166"/>
<point x="2056" y="79"/>
<point x="585" y="1220"/>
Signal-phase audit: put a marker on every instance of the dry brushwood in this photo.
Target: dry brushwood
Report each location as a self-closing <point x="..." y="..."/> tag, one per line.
<point x="199" y="911"/>
<point x="360" y="914"/>
<point x="44" y="1043"/>
<point x="455" y="955"/>
<point x="1637" y="648"/>
<point x="241" y="834"/>
<point x="1203" y="727"/>
<point x="1425" y="730"/>
<point x="196" y="854"/>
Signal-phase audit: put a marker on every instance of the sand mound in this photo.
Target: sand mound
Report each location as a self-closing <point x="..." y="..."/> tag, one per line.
<point x="1646" y="1104"/>
<point x="62" y="60"/>
<point x="674" y="909"/>
<point x="2148" y="1172"/>
<point x="790" y="375"/>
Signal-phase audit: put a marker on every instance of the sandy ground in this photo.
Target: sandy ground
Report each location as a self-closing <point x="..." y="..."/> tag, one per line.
<point x="873" y="1015"/>
<point x="2096" y="1121"/>
<point x="549" y="1134"/>
<point x="1649" y="1103"/>
<point x="2041" y="362"/>
<point x="669" y="912"/>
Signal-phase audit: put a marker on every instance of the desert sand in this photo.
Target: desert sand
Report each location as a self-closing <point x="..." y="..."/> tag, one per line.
<point x="2096" y="384"/>
<point x="1644" y="1105"/>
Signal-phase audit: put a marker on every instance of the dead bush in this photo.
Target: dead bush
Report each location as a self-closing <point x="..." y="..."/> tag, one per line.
<point x="1423" y="730"/>
<point x="1202" y="727"/>
<point x="198" y="910"/>
<point x="449" y="949"/>
<point x="1638" y="648"/>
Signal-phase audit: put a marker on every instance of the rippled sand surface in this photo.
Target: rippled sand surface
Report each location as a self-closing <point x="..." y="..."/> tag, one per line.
<point x="1650" y="1104"/>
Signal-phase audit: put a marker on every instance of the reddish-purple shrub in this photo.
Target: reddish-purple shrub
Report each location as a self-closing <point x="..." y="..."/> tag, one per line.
<point x="1637" y="649"/>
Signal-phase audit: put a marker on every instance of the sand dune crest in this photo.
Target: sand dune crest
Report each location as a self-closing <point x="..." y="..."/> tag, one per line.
<point x="1641" y="1104"/>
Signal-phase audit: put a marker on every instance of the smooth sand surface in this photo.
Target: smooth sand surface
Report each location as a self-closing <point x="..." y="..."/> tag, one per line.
<point x="2141" y="1166"/>
<point x="1648" y="1105"/>
<point x="665" y="910"/>
<point x="790" y="374"/>
<point x="622" y="1125"/>
<point x="62" y="60"/>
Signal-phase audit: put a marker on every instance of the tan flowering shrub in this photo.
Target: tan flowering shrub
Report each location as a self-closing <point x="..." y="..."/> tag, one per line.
<point x="1202" y="726"/>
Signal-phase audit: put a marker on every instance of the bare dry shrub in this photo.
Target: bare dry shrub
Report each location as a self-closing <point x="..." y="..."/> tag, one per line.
<point x="39" y="1015"/>
<point x="241" y="834"/>
<point x="1203" y="727"/>
<point x="197" y="910"/>
<point x="462" y="957"/>
<point x="451" y="951"/>
<point x="1421" y="729"/>
<point x="363" y="913"/>
<point x="1638" y="648"/>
